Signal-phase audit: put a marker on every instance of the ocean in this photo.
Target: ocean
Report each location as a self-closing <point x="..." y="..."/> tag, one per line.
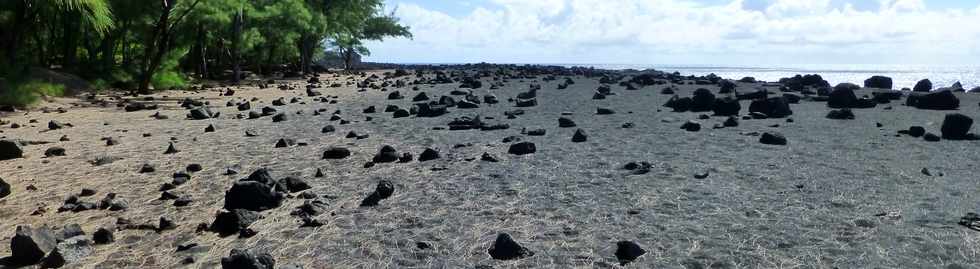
<point x="902" y="75"/>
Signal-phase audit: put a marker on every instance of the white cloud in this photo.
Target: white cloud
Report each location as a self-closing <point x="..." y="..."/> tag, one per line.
<point x="682" y="31"/>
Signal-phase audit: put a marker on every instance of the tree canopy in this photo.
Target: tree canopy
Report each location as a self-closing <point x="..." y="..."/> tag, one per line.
<point x="136" y="45"/>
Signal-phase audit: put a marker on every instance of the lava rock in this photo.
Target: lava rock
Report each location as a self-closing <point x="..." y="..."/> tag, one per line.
<point x="842" y="98"/>
<point x="726" y="107"/>
<point x="773" y="139"/>
<point x="691" y="126"/>
<point x="244" y="259"/>
<point x="428" y="154"/>
<point x="939" y="100"/>
<point x="841" y="114"/>
<point x="386" y="154"/>
<point x="336" y="153"/>
<point x="384" y="190"/>
<point x="294" y="184"/>
<point x="565" y="122"/>
<point x="233" y="221"/>
<point x="880" y="82"/>
<point x="103" y="236"/>
<point x="505" y="248"/>
<point x="522" y="148"/>
<point x="628" y="251"/>
<point x="54" y="151"/>
<point x="10" y="150"/>
<point x="775" y="107"/>
<point x="579" y="136"/>
<point x="924" y="85"/>
<point x="956" y="126"/>
<point x="30" y="245"/>
<point x="702" y="100"/>
<point x="257" y="193"/>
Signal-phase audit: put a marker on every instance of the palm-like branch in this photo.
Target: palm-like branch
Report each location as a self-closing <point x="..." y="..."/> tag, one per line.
<point x="94" y="12"/>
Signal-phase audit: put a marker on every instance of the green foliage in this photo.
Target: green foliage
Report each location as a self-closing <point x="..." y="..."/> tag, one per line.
<point x="29" y="92"/>
<point x="169" y="77"/>
<point x="110" y="41"/>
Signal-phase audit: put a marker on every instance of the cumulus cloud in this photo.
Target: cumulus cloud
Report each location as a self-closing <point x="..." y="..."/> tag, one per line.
<point x="684" y="31"/>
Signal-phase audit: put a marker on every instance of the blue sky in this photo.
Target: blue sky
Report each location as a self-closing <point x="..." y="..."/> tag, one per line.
<point x="724" y="32"/>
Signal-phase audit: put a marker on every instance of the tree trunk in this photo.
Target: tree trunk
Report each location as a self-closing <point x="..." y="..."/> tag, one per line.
<point x="71" y="23"/>
<point x="235" y="47"/>
<point x="107" y="49"/>
<point x="154" y="52"/>
<point x="307" y="44"/>
<point x="200" y="53"/>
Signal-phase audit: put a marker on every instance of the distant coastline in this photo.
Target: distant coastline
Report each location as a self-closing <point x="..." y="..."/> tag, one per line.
<point x="904" y="76"/>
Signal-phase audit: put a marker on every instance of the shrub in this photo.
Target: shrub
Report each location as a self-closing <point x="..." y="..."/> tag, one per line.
<point x="26" y="93"/>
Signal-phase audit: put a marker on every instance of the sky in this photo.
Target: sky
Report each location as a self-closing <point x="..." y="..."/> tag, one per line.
<point x="707" y="32"/>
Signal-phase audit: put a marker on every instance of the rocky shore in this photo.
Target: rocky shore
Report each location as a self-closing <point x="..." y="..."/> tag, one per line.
<point x="496" y="166"/>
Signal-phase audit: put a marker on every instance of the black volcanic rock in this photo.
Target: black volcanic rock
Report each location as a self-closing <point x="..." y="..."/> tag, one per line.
<point x="565" y="122"/>
<point x="956" y="126"/>
<point x="679" y="104"/>
<point x="334" y="153"/>
<point x="244" y="259"/>
<point x="258" y="192"/>
<point x="505" y="248"/>
<point x="775" y="107"/>
<point x="10" y="150"/>
<point x="772" y="139"/>
<point x="628" y="251"/>
<point x="702" y="100"/>
<point x="428" y="154"/>
<point x="522" y="148"/>
<point x="840" y="114"/>
<point x="938" y="100"/>
<point x="916" y="131"/>
<point x="579" y="136"/>
<point x="726" y="107"/>
<point x="386" y="154"/>
<point x="880" y="82"/>
<point x="924" y="85"/>
<point x="842" y="98"/>
<point x="30" y="245"/>
<point x="384" y="190"/>
<point x="233" y="221"/>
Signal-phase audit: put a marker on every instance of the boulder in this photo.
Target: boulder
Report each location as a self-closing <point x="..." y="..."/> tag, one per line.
<point x="775" y="107"/>
<point x="30" y="245"/>
<point x="702" y="100"/>
<point x="244" y="259"/>
<point x="386" y="154"/>
<point x="628" y="251"/>
<point x="384" y="190"/>
<point x="772" y="139"/>
<point x="691" y="126"/>
<point x="917" y="131"/>
<point x="726" y="106"/>
<point x="522" y="148"/>
<point x="4" y="189"/>
<point x="956" y="127"/>
<point x="428" y="154"/>
<point x="294" y="184"/>
<point x="842" y="98"/>
<point x="10" y="150"/>
<point x="334" y="153"/>
<point x="679" y="104"/>
<point x="505" y="248"/>
<point x="841" y="114"/>
<point x="253" y="195"/>
<point x="924" y="85"/>
<point x="579" y="136"/>
<point x="880" y="82"/>
<point x="201" y="113"/>
<point x="939" y="100"/>
<point x="233" y="221"/>
<point x="565" y="122"/>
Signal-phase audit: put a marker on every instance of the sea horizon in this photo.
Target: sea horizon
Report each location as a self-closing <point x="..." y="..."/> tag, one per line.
<point x="903" y="75"/>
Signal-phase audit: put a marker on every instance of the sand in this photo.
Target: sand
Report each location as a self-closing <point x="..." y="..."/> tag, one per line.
<point x="841" y="194"/>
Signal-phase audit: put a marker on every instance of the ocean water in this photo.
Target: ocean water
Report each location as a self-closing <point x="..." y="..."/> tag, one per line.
<point x="902" y="75"/>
